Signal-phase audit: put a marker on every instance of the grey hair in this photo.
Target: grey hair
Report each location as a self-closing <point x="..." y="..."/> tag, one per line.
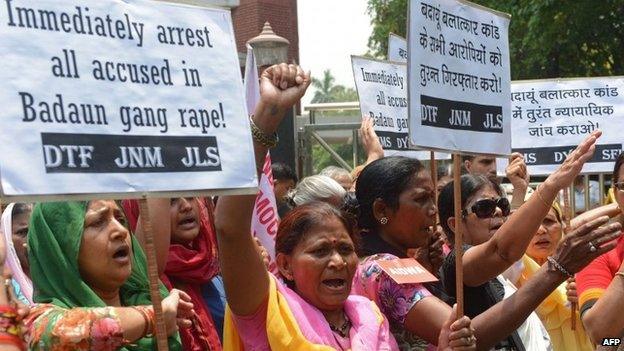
<point x="334" y="172"/>
<point x="316" y="188"/>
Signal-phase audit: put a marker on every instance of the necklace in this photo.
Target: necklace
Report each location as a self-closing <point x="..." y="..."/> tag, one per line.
<point x="343" y="329"/>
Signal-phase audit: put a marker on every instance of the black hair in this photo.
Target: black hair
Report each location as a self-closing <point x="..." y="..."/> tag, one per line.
<point x="282" y="171"/>
<point x="20" y="208"/>
<point x="470" y="184"/>
<point x="350" y="205"/>
<point x="616" y="168"/>
<point x="384" y="179"/>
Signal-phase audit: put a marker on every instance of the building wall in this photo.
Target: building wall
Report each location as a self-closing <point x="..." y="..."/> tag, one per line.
<point x="250" y="15"/>
<point x="208" y="3"/>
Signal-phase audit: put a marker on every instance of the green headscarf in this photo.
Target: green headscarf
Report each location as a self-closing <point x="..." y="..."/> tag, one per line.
<point x="54" y="238"/>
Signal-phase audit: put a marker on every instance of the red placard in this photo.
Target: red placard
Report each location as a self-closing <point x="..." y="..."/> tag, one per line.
<point x="406" y="271"/>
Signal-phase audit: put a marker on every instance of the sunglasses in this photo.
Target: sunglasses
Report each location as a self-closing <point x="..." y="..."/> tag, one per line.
<point x="487" y="207"/>
<point x="619" y="186"/>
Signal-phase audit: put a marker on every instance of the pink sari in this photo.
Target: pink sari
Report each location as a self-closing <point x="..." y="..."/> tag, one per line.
<point x="294" y="324"/>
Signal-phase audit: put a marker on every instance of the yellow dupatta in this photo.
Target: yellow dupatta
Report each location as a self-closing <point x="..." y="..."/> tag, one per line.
<point x="285" y="333"/>
<point x="556" y="316"/>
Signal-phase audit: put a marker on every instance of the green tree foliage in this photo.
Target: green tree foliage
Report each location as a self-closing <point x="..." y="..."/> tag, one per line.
<point x="548" y="38"/>
<point x="327" y="91"/>
<point x="322" y="158"/>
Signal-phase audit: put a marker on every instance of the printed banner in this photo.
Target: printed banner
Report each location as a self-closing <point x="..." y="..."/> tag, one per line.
<point x="459" y="78"/>
<point x="397" y="48"/>
<point x="121" y="97"/>
<point x="551" y="117"/>
<point x="382" y="91"/>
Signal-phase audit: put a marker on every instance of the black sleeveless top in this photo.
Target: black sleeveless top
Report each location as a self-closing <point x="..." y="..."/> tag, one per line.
<point x="477" y="299"/>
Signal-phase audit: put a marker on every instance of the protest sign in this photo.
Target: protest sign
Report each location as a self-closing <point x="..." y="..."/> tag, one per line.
<point x="397" y="48"/>
<point x="406" y="271"/>
<point x="265" y="218"/>
<point x="382" y="91"/>
<point x="551" y="117"/>
<point x="121" y="97"/>
<point x="459" y="77"/>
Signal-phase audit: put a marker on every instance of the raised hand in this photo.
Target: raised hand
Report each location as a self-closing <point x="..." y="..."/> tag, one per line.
<point x="281" y="86"/>
<point x="516" y="171"/>
<point x="370" y="141"/>
<point x="587" y="242"/>
<point x="571" y="167"/>
<point x="457" y="334"/>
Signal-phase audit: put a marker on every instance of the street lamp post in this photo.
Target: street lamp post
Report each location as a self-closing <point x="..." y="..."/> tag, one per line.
<point x="269" y="49"/>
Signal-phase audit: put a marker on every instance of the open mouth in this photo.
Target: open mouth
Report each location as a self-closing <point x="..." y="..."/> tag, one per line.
<point x="335" y="284"/>
<point x="542" y="243"/>
<point x="122" y="254"/>
<point x="188" y="223"/>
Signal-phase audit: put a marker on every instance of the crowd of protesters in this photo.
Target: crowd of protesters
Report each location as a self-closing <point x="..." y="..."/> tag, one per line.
<point x="76" y="275"/>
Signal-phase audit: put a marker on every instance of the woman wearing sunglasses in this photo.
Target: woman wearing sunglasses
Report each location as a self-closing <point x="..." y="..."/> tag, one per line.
<point x="396" y="209"/>
<point x="601" y="284"/>
<point x="493" y="244"/>
<point x="484" y="211"/>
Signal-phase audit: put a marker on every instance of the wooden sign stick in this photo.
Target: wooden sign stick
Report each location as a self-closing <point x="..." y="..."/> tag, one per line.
<point x="152" y="273"/>
<point x="568" y="214"/>
<point x="434" y="177"/>
<point x="459" y="239"/>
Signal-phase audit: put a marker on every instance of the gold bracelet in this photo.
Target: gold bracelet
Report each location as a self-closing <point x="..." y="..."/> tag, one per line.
<point x="539" y="195"/>
<point x="269" y="141"/>
<point x="148" y="319"/>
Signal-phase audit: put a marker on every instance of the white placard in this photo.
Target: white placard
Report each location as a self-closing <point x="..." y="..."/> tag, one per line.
<point x="397" y="48"/>
<point x="382" y="91"/>
<point x="551" y="117"/>
<point x="459" y="77"/>
<point x="121" y="97"/>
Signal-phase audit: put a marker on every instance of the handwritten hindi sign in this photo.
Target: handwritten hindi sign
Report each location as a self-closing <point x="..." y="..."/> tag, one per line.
<point x="121" y="97"/>
<point x="406" y="271"/>
<point x="397" y="48"/>
<point x="383" y="97"/>
<point x="459" y="77"/>
<point x="551" y="117"/>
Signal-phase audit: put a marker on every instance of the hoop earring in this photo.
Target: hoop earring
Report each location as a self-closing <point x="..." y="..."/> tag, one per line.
<point x="383" y="220"/>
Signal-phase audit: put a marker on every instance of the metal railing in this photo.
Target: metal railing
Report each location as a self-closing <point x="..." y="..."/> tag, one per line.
<point x="338" y="128"/>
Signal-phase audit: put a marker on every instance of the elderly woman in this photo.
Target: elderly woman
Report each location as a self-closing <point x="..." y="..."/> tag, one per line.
<point x="92" y="290"/>
<point x="340" y="175"/>
<point x="14" y="225"/>
<point x="317" y="188"/>
<point x="311" y="308"/>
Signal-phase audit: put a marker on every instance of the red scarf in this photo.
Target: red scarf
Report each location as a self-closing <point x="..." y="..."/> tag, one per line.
<point x="188" y="269"/>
